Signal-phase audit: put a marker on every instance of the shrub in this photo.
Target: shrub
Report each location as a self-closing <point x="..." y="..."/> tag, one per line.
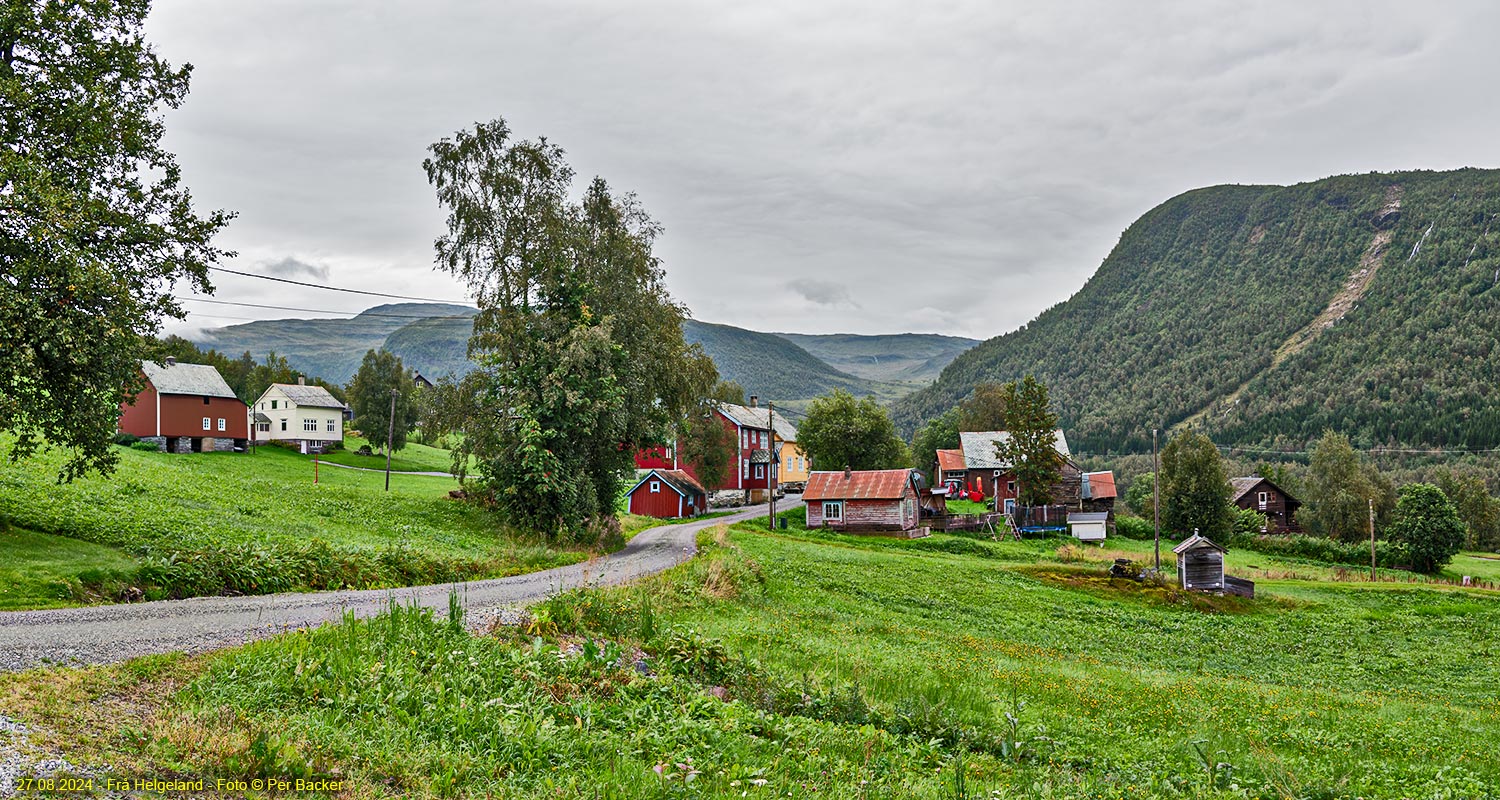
<point x="145" y="447"/>
<point x="1249" y="521"/>
<point x="1427" y="524"/>
<point x="1313" y="548"/>
<point x="126" y="439"/>
<point x="1135" y="528"/>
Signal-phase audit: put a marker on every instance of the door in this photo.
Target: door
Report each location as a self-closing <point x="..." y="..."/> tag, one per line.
<point x="1010" y="506"/>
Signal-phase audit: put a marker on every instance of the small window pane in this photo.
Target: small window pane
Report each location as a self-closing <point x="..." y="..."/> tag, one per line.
<point x="206" y="422"/>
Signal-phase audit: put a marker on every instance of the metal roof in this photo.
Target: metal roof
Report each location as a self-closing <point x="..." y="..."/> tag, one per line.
<point x="1099" y="485"/>
<point x="681" y="482"/>
<point x="979" y="448"/>
<point x="875" y="484"/>
<point x="178" y="378"/>
<point x="760" y="417"/>
<point x="1198" y="542"/>
<point x="311" y="396"/>
<point x="950" y="461"/>
<point x="259" y="417"/>
<point x="1088" y="516"/>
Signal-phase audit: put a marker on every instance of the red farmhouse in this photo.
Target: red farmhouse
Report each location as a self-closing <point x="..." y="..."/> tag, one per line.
<point x="186" y="408"/>
<point x="753" y="468"/>
<point x="868" y="500"/>
<point x="667" y="493"/>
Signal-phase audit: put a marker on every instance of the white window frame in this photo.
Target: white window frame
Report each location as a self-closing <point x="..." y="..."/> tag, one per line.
<point x="1264" y="498"/>
<point x="760" y="470"/>
<point x="222" y="426"/>
<point x="309" y="425"/>
<point x="744" y="468"/>
<point x="656" y="487"/>
<point x="330" y="426"/>
<point x="283" y="425"/>
<point x="207" y="423"/>
<point x="265" y="427"/>
<point x="833" y="510"/>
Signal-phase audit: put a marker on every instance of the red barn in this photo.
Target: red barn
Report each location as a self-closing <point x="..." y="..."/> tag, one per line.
<point x="863" y="501"/>
<point x="667" y="494"/>
<point x="753" y="469"/>
<point x="186" y="408"/>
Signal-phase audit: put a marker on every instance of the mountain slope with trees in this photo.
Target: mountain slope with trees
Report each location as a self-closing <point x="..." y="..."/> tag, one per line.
<point x="1266" y="314"/>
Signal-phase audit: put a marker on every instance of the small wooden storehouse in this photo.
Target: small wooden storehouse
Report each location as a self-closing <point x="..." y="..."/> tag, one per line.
<point x="1200" y="567"/>
<point x="1089" y="526"/>
<point x="866" y="501"/>
<point x="666" y="494"/>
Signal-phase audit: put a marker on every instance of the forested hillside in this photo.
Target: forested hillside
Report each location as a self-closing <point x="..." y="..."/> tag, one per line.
<point x="771" y="366"/>
<point x="331" y="348"/>
<point x="1365" y="303"/>
<point x="916" y="358"/>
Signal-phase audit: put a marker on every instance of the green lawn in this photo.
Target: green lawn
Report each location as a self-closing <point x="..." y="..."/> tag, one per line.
<point x="36" y="567"/>
<point x="206" y="515"/>
<point x="848" y="667"/>
<point x="411" y="458"/>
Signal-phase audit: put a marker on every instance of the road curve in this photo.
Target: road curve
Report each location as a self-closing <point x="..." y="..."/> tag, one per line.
<point x="107" y="634"/>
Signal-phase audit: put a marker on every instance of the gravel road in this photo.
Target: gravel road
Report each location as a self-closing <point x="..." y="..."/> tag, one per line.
<point x="106" y="634"/>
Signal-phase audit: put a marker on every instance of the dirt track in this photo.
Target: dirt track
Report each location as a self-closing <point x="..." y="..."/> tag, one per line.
<point x="106" y="634"/>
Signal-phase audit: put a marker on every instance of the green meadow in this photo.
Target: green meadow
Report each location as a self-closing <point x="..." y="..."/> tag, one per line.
<point x="809" y="665"/>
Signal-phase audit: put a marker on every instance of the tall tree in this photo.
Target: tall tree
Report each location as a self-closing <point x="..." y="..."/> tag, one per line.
<point x="1479" y="511"/>
<point x="1340" y="488"/>
<point x="1031" y="448"/>
<point x="381" y="374"/>
<point x="579" y="346"/>
<point x="985" y="408"/>
<point x="1194" y="489"/>
<point x="95" y="226"/>
<point x="940" y="433"/>
<point x="708" y="446"/>
<point x="727" y="392"/>
<point x="840" y="432"/>
<point x="1428" y="526"/>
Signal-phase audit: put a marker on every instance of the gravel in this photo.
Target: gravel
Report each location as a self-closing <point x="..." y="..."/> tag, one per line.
<point x="107" y="634"/>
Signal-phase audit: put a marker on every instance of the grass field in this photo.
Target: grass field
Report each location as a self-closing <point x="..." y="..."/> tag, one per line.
<point x="36" y="567"/>
<point x="206" y="523"/>
<point x="411" y="458"/>
<point x="808" y="665"/>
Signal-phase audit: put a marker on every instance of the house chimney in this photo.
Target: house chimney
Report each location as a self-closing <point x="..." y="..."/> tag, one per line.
<point x="754" y="401"/>
<point x="847" y="473"/>
<point x="171" y="361"/>
<point x="301" y="380"/>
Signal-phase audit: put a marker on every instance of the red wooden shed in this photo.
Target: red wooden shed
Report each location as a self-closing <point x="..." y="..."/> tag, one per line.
<point x="667" y="494"/>
<point x="186" y="408"/>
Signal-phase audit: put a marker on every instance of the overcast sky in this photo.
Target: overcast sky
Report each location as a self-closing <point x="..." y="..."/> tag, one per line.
<point x="819" y="167"/>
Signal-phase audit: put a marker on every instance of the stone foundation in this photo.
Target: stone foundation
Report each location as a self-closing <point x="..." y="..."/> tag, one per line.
<point x="159" y="441"/>
<point x="182" y="444"/>
<point x="223" y="445"/>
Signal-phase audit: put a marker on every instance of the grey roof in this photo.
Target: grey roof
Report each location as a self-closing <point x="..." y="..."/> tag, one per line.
<point x="979" y="448"/>
<point x="1198" y="542"/>
<point x="199" y="379"/>
<point x="1243" y="485"/>
<point x="1088" y="516"/>
<point x="311" y="396"/>
<point x="760" y="417"/>
<point x="259" y="417"/>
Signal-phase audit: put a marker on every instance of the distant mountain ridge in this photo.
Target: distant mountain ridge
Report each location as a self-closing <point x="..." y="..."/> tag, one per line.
<point x="1265" y="314"/>
<point x="434" y="339"/>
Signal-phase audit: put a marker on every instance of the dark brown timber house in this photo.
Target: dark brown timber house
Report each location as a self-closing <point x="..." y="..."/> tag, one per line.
<point x="1260" y="494"/>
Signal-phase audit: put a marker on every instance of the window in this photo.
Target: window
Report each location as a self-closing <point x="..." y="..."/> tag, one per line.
<point x="206" y="422"/>
<point x="655" y="487"/>
<point x="310" y="425"/>
<point x="283" y="424"/>
<point x="833" y="511"/>
<point x="1011" y="487"/>
<point x="221" y="425"/>
<point x="744" y="438"/>
<point x="205" y="401"/>
<point x="1264" y="496"/>
<point x="265" y="427"/>
<point x="760" y="470"/>
<point x="331" y="427"/>
<point x="744" y="468"/>
<point x="273" y="404"/>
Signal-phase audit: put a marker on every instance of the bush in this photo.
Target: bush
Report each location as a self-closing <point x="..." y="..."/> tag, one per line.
<point x="126" y="439"/>
<point x="1313" y="548"/>
<point x="145" y="447"/>
<point x="1135" y="528"/>
<point x="1251" y="522"/>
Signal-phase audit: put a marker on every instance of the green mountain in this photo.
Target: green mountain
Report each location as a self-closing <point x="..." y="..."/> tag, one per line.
<point x="434" y="347"/>
<point x="772" y="366"/>
<point x="916" y="358"/>
<point x="331" y="348"/>
<point x="1265" y="314"/>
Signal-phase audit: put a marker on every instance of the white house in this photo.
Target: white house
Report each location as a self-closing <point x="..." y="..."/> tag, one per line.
<point x="298" y="413"/>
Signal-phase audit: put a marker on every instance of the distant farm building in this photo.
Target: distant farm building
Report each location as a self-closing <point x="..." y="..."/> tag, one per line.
<point x="307" y="415"/>
<point x="1260" y="494"/>
<point x="866" y="501"/>
<point x="754" y="469"/>
<point x="1089" y="526"/>
<point x="186" y="408"/>
<point x="667" y="494"/>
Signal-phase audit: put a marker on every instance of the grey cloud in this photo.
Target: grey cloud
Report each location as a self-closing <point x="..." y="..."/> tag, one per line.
<point x="824" y="293"/>
<point x="290" y="267"/>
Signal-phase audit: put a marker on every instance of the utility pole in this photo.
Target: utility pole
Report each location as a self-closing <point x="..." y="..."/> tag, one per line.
<point x="1156" y="497"/>
<point x="771" y="420"/>
<point x="390" y="433"/>
<point x="1372" y="540"/>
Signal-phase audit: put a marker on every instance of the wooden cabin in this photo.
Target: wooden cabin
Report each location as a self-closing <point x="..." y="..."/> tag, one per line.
<point x="666" y="494"/>
<point x="865" y="501"/>
<point x="1260" y="494"/>
<point x="1200" y="568"/>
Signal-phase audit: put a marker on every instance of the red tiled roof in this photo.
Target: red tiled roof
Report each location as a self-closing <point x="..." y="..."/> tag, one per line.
<point x="950" y="460"/>
<point x="1102" y="485"/>
<point x="877" y="484"/>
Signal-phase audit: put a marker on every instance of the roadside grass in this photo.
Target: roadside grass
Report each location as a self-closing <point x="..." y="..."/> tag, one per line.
<point x="792" y="665"/>
<point x="37" y="568"/>
<point x="238" y="523"/>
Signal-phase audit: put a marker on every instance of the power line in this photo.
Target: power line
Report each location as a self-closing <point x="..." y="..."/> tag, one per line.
<point x="332" y="288"/>
<point x="197" y="299"/>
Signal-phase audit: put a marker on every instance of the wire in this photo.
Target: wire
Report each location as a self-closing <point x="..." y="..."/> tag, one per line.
<point x="332" y="288"/>
<point x="197" y="299"/>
